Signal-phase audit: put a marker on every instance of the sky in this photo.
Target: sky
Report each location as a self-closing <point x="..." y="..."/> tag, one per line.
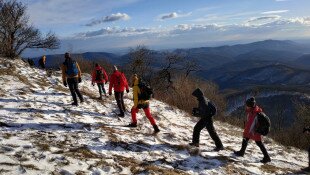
<point x="115" y="25"/>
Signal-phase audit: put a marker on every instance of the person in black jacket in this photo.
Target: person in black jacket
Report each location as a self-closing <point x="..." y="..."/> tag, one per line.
<point x="206" y="110"/>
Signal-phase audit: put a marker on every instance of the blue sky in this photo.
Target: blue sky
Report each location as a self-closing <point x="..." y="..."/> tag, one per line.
<point x="107" y="25"/>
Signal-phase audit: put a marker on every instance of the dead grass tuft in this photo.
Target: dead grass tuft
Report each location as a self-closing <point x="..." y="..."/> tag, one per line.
<point x="43" y="146"/>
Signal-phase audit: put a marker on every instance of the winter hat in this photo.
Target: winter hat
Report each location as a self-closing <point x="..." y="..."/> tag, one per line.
<point x="67" y="55"/>
<point x="197" y="93"/>
<point x="251" y="102"/>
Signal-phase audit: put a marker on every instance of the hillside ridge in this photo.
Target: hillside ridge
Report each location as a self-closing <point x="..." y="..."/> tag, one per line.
<point x="41" y="133"/>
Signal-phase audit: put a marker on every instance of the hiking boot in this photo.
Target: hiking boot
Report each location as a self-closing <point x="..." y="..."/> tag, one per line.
<point x="99" y="98"/>
<point x="243" y="148"/>
<point x="74" y="104"/>
<point x="82" y="101"/>
<point x="121" y="115"/>
<point x="132" y="125"/>
<point x="217" y="149"/>
<point x="265" y="160"/>
<point x="194" y="144"/>
<point x="239" y="153"/>
<point x="306" y="169"/>
<point x="156" y="130"/>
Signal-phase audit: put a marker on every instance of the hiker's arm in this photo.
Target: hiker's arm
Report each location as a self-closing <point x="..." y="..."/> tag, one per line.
<point x="126" y="85"/>
<point x="79" y="70"/>
<point x="63" y="73"/>
<point x="93" y="75"/>
<point x="253" y="126"/>
<point x="111" y="83"/>
<point x="105" y="76"/>
<point x="135" y="96"/>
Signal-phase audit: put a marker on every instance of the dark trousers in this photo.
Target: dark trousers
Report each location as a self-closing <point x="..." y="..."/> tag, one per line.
<point x="208" y="123"/>
<point x="119" y="97"/>
<point x="101" y="89"/>
<point x="74" y="89"/>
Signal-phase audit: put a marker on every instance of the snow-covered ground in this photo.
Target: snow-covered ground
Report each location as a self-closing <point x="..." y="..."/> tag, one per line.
<point x="41" y="133"/>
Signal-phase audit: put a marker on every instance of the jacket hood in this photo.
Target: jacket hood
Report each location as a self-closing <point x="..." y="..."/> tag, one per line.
<point x="255" y="109"/>
<point x="98" y="68"/>
<point x="198" y="93"/>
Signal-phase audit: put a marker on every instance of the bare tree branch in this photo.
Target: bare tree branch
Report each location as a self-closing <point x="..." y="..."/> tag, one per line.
<point x="16" y="35"/>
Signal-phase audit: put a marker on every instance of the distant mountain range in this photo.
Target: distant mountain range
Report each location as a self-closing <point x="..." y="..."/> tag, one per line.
<point x="269" y="62"/>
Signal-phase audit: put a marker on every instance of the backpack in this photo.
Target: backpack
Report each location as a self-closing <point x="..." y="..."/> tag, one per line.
<point x="212" y="108"/>
<point x="99" y="75"/>
<point x="263" y="124"/>
<point x="146" y="91"/>
<point x="72" y="69"/>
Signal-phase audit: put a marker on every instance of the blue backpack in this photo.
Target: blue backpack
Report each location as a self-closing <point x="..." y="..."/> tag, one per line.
<point x="72" y="69"/>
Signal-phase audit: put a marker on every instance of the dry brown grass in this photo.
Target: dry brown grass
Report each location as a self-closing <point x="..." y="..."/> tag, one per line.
<point x="181" y="96"/>
<point x="43" y="146"/>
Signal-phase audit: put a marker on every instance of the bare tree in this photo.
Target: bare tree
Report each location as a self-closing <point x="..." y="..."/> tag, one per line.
<point x="140" y="62"/>
<point x="190" y="66"/>
<point x="16" y="34"/>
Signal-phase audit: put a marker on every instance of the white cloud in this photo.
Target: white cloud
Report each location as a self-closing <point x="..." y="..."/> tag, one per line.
<point x="114" y="31"/>
<point x="173" y="15"/>
<point x="274" y="12"/>
<point x="264" y="18"/>
<point x="111" y="18"/>
<point x="68" y="12"/>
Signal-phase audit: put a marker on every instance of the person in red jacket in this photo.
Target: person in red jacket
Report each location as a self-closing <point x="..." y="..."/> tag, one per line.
<point x="249" y="131"/>
<point x="119" y="82"/>
<point x="100" y="77"/>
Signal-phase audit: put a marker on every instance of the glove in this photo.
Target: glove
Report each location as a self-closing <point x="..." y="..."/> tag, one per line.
<point x="65" y="84"/>
<point x="127" y="90"/>
<point x="195" y="112"/>
<point x="80" y="80"/>
<point x="110" y="93"/>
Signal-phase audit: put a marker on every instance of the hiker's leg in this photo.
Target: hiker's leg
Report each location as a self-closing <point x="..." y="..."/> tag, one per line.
<point x="100" y="88"/>
<point x="122" y="101"/>
<point x="148" y="114"/>
<point x="76" y="88"/>
<point x="198" y="127"/>
<point x="262" y="148"/>
<point x="243" y="147"/>
<point x="134" y="112"/>
<point x="71" y="84"/>
<point x="213" y="134"/>
<point x="103" y="89"/>
<point x="118" y="101"/>
<point x="309" y="157"/>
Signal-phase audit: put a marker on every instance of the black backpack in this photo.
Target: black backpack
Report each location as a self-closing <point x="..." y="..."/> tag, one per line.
<point x="212" y="108"/>
<point x="263" y="124"/>
<point x="99" y="75"/>
<point x="146" y="91"/>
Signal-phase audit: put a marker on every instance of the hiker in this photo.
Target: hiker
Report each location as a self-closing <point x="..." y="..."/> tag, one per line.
<point x="71" y="76"/>
<point x="307" y="130"/>
<point x="42" y="62"/>
<point x="100" y="77"/>
<point x="252" y="109"/>
<point x="119" y="82"/>
<point x="140" y="103"/>
<point x="206" y="110"/>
